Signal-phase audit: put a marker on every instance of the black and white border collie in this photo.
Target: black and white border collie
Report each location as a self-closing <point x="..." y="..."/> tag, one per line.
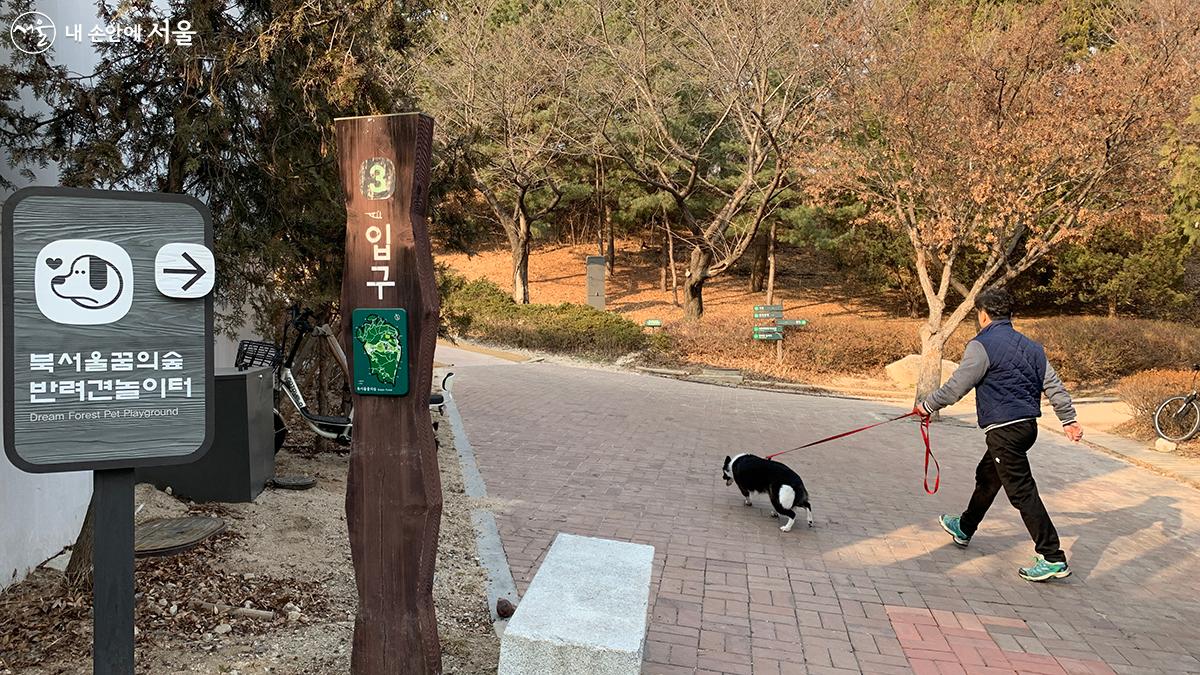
<point x="782" y="485"/>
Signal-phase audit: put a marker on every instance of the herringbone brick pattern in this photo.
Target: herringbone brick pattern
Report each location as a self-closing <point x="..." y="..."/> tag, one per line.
<point x="876" y="586"/>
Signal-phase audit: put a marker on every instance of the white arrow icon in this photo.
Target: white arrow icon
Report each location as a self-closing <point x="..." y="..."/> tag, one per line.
<point x="185" y="271"/>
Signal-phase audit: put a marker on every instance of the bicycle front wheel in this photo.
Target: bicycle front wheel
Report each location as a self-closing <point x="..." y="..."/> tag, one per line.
<point x="1177" y="419"/>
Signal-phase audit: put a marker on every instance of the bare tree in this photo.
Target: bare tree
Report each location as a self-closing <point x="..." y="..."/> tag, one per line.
<point x="970" y="128"/>
<point x="708" y="103"/>
<point x="497" y="85"/>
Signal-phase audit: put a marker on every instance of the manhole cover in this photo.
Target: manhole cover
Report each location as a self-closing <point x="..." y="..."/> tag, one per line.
<point x="165" y="536"/>
<point x="293" y="482"/>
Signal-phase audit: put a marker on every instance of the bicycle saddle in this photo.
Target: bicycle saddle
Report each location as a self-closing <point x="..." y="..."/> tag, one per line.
<point x="436" y="399"/>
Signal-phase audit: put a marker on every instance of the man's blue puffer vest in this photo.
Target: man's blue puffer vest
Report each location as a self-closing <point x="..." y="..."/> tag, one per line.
<point x="1012" y="387"/>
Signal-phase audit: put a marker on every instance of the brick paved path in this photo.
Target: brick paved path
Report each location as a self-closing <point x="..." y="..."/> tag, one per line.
<point x="876" y="586"/>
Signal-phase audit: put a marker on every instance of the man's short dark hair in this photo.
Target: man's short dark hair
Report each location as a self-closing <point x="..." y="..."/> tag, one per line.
<point x="997" y="302"/>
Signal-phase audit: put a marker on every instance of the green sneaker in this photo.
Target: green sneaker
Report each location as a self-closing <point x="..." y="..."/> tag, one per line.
<point x="1044" y="570"/>
<point x="950" y="525"/>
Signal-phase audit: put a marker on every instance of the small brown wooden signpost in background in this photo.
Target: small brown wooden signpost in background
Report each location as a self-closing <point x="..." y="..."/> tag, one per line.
<point x="394" y="493"/>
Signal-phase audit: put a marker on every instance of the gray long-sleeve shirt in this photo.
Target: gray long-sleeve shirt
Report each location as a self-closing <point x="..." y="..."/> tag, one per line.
<point x="970" y="372"/>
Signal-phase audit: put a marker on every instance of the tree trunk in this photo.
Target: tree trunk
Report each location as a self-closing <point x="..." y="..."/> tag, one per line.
<point x="693" y="287"/>
<point x="663" y="262"/>
<point x="671" y="262"/>
<point x="599" y="208"/>
<point x="322" y="443"/>
<point x="612" y="246"/>
<point x="771" y="266"/>
<point x="520" y="265"/>
<point x="1112" y="308"/>
<point x="606" y="223"/>
<point x="79" y="569"/>
<point x="758" y="266"/>
<point x="929" y="378"/>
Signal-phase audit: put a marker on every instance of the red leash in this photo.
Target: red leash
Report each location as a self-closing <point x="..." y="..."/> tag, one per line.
<point x="937" y="476"/>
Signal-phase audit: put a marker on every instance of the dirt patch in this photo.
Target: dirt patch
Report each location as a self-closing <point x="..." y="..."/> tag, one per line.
<point x="558" y="274"/>
<point x="808" y="288"/>
<point x="288" y="554"/>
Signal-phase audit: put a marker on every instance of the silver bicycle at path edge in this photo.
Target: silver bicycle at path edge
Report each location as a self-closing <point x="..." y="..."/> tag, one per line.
<point x="1178" y="418"/>
<point x="257" y="353"/>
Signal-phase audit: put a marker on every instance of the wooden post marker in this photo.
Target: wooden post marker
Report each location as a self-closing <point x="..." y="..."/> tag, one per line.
<point x="394" y="492"/>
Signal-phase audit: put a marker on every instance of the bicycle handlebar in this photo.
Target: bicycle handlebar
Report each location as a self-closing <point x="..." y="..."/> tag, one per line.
<point x="300" y="318"/>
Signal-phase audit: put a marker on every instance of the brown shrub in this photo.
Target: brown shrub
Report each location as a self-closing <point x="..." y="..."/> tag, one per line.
<point x="827" y="345"/>
<point x="1088" y="350"/>
<point x="1145" y="391"/>
<point x="1103" y="350"/>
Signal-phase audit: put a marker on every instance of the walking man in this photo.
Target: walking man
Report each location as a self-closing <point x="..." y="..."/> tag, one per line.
<point x="1009" y="374"/>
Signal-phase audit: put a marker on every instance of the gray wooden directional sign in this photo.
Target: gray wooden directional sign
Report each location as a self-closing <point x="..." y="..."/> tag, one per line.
<point x="101" y="369"/>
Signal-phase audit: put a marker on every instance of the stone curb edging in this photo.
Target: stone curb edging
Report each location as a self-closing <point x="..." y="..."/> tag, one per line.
<point x="488" y="546"/>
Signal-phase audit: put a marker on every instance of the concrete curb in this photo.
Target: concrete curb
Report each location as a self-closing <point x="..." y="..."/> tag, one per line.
<point x="488" y="545"/>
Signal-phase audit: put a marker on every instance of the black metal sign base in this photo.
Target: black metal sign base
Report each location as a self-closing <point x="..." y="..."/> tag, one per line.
<point x="112" y="585"/>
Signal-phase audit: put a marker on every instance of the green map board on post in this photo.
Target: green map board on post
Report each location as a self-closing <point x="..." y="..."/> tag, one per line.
<point x="380" y="352"/>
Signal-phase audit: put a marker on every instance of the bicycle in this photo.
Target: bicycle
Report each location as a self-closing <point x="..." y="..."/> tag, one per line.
<point x="1178" y="418"/>
<point x="253" y="353"/>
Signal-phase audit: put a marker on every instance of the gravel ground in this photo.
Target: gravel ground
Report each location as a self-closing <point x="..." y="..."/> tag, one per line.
<point x="288" y="552"/>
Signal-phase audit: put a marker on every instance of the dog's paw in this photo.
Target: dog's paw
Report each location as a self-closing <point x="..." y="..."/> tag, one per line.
<point x="773" y="514"/>
<point x="749" y="503"/>
<point x="810" y="524"/>
<point x="785" y="528"/>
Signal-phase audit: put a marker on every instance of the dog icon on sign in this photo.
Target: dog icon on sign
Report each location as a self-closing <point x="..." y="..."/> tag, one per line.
<point x="83" y="282"/>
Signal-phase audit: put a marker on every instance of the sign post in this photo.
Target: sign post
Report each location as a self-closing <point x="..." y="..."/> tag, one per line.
<point x="774" y="331"/>
<point x="770" y="332"/>
<point x="107" y="360"/>
<point x="390" y="310"/>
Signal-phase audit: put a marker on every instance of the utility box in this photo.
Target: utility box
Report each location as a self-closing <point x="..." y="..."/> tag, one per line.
<point x="242" y="458"/>
<point x="595" y="280"/>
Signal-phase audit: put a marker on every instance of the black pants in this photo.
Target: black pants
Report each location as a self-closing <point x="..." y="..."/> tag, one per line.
<point x="1006" y="464"/>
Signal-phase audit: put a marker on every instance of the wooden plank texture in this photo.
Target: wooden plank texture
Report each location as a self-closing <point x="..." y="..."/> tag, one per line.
<point x="393" y="495"/>
<point x="152" y="428"/>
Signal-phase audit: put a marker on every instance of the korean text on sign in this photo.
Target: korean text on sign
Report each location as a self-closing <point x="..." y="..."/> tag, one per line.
<point x="99" y="388"/>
